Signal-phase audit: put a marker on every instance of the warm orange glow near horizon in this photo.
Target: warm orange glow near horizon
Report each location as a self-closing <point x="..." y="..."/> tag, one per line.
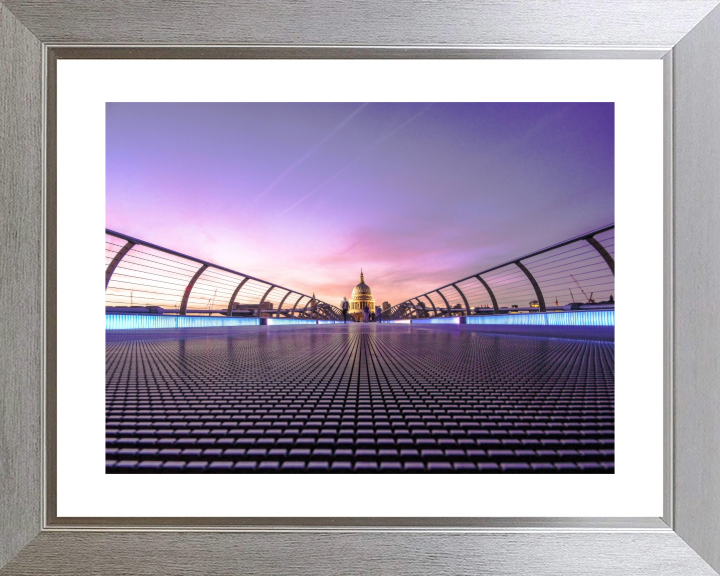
<point x="303" y="195"/>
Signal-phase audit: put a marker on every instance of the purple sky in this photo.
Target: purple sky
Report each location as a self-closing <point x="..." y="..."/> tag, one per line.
<point x="304" y="194"/>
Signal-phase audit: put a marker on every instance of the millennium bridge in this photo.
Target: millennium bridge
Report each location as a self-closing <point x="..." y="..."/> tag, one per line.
<point x="509" y="370"/>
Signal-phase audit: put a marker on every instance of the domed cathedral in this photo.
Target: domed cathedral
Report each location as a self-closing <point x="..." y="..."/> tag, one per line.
<point x="361" y="296"/>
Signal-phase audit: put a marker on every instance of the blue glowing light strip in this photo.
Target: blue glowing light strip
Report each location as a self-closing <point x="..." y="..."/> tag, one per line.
<point x="139" y="321"/>
<point x="279" y="321"/>
<point x="585" y="318"/>
<point x="451" y="320"/>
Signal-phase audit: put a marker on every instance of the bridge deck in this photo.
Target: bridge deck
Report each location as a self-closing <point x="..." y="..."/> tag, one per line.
<point x="352" y="398"/>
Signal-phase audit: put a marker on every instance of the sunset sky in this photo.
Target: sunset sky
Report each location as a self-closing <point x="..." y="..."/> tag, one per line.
<point x="305" y="194"/>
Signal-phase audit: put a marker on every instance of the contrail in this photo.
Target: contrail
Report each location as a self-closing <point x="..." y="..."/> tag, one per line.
<point x="373" y="145"/>
<point x="312" y="150"/>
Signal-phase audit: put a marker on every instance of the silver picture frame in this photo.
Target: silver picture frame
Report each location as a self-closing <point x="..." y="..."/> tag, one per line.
<point x="685" y="34"/>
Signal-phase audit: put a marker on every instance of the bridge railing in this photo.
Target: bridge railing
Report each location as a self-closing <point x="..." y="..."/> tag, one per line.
<point x="143" y="277"/>
<point x="578" y="273"/>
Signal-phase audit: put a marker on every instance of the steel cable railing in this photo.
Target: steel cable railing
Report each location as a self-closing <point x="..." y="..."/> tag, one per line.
<point x="578" y="273"/>
<point x="141" y="277"/>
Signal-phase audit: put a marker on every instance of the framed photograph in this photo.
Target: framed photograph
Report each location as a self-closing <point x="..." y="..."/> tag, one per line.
<point x="496" y="186"/>
<point x="381" y="408"/>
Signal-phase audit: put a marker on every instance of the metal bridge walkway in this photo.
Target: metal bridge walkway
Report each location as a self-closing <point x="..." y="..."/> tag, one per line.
<point x="357" y="398"/>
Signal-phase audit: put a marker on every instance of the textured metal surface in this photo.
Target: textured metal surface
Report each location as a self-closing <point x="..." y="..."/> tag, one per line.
<point x="359" y="524"/>
<point x="285" y="51"/>
<point x="318" y="553"/>
<point x="668" y="297"/>
<point x="697" y="279"/>
<point x="536" y="25"/>
<point x="635" y="23"/>
<point x="606" y="333"/>
<point x="20" y="284"/>
<point x="357" y="398"/>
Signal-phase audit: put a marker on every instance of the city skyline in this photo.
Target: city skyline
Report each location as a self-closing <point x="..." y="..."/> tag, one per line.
<point x="304" y="195"/>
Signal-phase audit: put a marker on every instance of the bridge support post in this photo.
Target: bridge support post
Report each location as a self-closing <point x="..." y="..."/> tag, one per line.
<point x="467" y="307"/>
<point x="234" y="295"/>
<point x="431" y="304"/>
<point x="402" y="311"/>
<point x="262" y="300"/>
<point x="292" y="314"/>
<point x="281" y="303"/>
<point x="413" y="310"/>
<point x="538" y="292"/>
<point x="604" y="253"/>
<point x="186" y="295"/>
<point x="490" y="293"/>
<point x="407" y="310"/>
<point x="444" y="300"/>
<point x="116" y="260"/>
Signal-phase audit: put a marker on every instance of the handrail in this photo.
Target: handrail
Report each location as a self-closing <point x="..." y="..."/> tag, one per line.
<point x="152" y="278"/>
<point x="532" y="276"/>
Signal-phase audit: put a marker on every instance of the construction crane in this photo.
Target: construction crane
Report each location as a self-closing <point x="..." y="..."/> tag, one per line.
<point x="213" y="299"/>
<point x="588" y="298"/>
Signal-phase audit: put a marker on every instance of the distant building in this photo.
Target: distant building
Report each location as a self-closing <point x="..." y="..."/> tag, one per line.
<point x="312" y="306"/>
<point x="240" y="309"/>
<point x="484" y="309"/>
<point x="361" y="297"/>
<point x="133" y="310"/>
<point x="421" y="310"/>
<point x="386" y="306"/>
<point x="239" y="306"/>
